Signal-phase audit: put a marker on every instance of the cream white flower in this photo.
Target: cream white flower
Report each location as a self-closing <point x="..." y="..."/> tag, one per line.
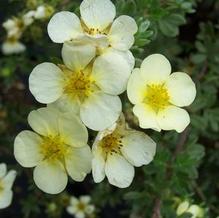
<point x="12" y="47"/>
<point x="88" y="88"/>
<point x="116" y="150"/>
<point x="6" y="182"/>
<point x="28" y="18"/>
<point x="158" y="95"/>
<point x="40" y="12"/>
<point x="96" y="27"/>
<point x="81" y="208"/>
<point x="56" y="148"/>
<point x="14" y="27"/>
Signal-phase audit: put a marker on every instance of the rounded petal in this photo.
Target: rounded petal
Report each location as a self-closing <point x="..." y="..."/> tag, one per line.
<point x="64" y="26"/>
<point x="181" y="89"/>
<point x="5" y="198"/>
<point x="155" y="68"/>
<point x="146" y="116"/>
<point x="44" y="121"/>
<point x="27" y="148"/>
<point x="66" y="104"/>
<point x="111" y="72"/>
<point x="97" y="14"/>
<point x="173" y="118"/>
<point x="8" y="180"/>
<point x="73" y="130"/>
<point x="98" y="164"/>
<point x="3" y="170"/>
<point x="85" y="199"/>
<point x="121" y="35"/>
<point x="119" y="171"/>
<point x="45" y="83"/>
<point x="77" y="57"/>
<point x="100" y="111"/>
<point x="138" y="148"/>
<point x="50" y="177"/>
<point x="136" y="87"/>
<point x="78" y="163"/>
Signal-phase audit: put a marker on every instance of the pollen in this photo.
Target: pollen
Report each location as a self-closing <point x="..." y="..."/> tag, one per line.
<point x="157" y="97"/>
<point x="79" y="85"/>
<point x="54" y="148"/>
<point x="112" y="143"/>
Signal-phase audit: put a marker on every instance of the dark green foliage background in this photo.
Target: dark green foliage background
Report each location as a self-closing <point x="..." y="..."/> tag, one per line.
<point x="186" y="165"/>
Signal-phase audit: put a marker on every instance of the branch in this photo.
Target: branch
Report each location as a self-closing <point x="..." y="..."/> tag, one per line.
<point x="156" y="210"/>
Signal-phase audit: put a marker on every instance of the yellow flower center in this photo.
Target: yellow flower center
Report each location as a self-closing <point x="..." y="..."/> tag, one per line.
<point x="54" y="148"/>
<point x="81" y="206"/>
<point x="157" y="96"/>
<point x="1" y="186"/>
<point x="79" y="85"/>
<point x="112" y="143"/>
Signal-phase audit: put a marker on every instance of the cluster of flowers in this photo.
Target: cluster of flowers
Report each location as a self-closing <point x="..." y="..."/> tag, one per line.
<point x="16" y="26"/>
<point x="84" y="92"/>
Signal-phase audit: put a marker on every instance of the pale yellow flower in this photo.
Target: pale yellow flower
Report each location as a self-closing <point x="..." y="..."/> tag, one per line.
<point x="81" y="207"/>
<point x="157" y="95"/>
<point x="96" y="27"/>
<point x="87" y="87"/>
<point x="6" y="182"/>
<point x="57" y="148"/>
<point x="117" y="150"/>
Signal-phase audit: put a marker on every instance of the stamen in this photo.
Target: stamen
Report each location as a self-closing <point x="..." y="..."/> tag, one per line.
<point x="157" y="96"/>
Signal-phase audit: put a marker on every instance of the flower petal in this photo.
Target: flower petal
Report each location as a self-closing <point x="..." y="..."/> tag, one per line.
<point x="121" y="35"/>
<point x="119" y="171"/>
<point x="138" y="148"/>
<point x="181" y="89"/>
<point x="146" y="116"/>
<point x="100" y="111"/>
<point x="155" y="68"/>
<point x="78" y="163"/>
<point x="5" y="198"/>
<point x="98" y="164"/>
<point x="111" y="72"/>
<point x="77" y="57"/>
<point x="27" y="148"/>
<point x="44" y="121"/>
<point x="97" y="14"/>
<point x="85" y="199"/>
<point x="64" y="26"/>
<point x="45" y="83"/>
<point x="66" y="104"/>
<point x="8" y="180"/>
<point x="3" y="170"/>
<point x="50" y="177"/>
<point x="173" y="118"/>
<point x="136" y="87"/>
<point x="73" y="130"/>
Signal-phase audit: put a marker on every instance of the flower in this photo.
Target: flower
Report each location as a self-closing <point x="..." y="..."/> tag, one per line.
<point x="81" y="207"/>
<point x="89" y="88"/>
<point x="28" y="18"/>
<point x="12" y="46"/>
<point x="6" y="182"/>
<point x="57" y="147"/>
<point x="195" y="210"/>
<point x="158" y="95"/>
<point x="14" y="27"/>
<point x="116" y="150"/>
<point x="96" y="27"/>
